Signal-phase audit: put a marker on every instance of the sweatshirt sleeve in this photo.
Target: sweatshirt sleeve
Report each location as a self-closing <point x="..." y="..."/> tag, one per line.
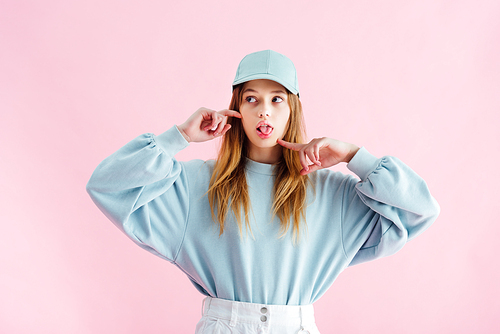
<point x="143" y="190"/>
<point x="389" y="206"/>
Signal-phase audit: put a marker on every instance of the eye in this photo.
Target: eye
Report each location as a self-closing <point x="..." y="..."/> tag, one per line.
<point x="277" y="99"/>
<point x="250" y="99"/>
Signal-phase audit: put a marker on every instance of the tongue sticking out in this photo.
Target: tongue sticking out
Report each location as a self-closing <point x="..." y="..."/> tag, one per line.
<point x="265" y="129"/>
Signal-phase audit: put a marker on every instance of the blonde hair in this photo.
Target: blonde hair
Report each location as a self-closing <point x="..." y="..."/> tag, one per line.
<point x="228" y="187"/>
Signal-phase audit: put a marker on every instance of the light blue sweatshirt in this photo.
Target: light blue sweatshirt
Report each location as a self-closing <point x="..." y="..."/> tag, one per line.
<point x="161" y="204"/>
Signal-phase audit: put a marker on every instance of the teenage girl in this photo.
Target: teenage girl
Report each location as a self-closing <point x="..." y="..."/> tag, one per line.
<point x="264" y="230"/>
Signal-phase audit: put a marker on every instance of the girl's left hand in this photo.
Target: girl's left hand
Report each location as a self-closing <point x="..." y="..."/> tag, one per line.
<point x="321" y="153"/>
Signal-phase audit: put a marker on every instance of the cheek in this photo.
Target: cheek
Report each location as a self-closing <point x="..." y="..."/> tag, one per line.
<point x="285" y="125"/>
<point x="244" y="113"/>
<point x="246" y="126"/>
<point x="286" y="120"/>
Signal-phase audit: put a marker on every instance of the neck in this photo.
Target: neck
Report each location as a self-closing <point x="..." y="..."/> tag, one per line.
<point x="265" y="155"/>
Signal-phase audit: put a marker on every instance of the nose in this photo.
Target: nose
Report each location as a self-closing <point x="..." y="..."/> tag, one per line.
<point x="265" y="111"/>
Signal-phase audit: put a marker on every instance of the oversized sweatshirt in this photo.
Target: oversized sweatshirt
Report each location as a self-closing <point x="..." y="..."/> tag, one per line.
<point x="162" y="205"/>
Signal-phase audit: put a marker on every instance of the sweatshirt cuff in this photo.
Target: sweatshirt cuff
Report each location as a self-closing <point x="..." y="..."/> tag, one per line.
<point x="363" y="163"/>
<point x="171" y="141"/>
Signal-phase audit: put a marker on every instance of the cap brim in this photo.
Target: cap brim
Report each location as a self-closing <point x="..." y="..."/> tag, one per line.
<point x="268" y="77"/>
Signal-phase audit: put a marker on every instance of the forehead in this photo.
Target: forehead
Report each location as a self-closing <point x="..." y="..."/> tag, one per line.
<point x="264" y="86"/>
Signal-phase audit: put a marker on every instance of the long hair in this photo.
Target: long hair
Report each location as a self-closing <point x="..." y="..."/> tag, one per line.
<point x="228" y="187"/>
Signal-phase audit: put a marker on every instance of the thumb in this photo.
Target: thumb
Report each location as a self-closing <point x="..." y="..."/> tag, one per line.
<point x="310" y="169"/>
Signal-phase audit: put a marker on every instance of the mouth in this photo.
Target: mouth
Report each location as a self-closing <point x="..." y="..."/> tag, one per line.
<point x="264" y="130"/>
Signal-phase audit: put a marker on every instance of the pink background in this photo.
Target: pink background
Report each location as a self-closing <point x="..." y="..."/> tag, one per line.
<point x="419" y="80"/>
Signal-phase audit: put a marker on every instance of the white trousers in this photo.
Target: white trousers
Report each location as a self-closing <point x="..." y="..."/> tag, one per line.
<point x="224" y="316"/>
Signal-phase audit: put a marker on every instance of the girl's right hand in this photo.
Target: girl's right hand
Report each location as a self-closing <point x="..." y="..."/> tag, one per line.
<point x="206" y="124"/>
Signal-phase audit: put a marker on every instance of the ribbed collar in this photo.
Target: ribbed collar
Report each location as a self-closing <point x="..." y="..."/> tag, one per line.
<point x="258" y="167"/>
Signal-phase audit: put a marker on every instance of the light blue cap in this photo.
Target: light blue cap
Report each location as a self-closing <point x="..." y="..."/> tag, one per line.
<point x="268" y="64"/>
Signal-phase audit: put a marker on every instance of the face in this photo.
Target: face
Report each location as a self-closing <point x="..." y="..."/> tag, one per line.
<point x="264" y="114"/>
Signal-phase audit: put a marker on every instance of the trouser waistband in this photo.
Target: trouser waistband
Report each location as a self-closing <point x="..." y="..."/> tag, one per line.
<point x="301" y="315"/>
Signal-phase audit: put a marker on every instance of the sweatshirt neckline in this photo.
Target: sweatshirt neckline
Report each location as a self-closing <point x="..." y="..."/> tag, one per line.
<point x="258" y="167"/>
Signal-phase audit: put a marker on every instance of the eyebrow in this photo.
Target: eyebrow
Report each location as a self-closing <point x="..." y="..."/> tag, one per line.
<point x="253" y="90"/>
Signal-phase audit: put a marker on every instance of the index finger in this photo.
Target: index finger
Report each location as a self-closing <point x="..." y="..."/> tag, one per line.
<point x="227" y="112"/>
<point x="292" y="146"/>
